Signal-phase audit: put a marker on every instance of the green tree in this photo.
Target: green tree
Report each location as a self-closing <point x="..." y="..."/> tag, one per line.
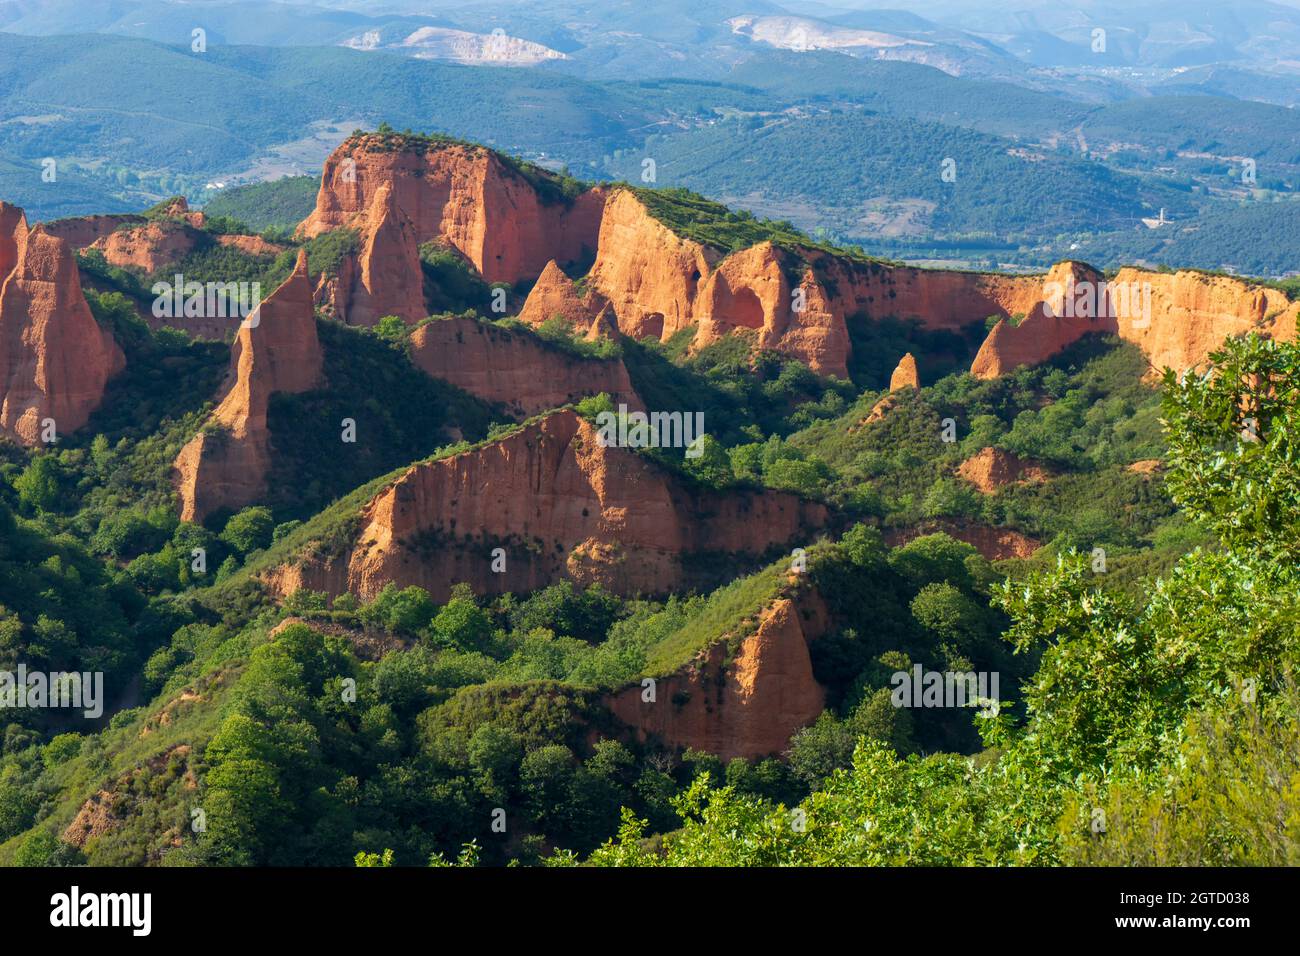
<point x="39" y="485"/>
<point x="404" y="610"/>
<point x="1234" y="445"/>
<point x="948" y="612"/>
<point x="249" y="530"/>
<point x="462" y="624"/>
<point x="391" y="328"/>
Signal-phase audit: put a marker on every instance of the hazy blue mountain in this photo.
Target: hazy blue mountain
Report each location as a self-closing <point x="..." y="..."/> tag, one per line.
<point x="835" y="139"/>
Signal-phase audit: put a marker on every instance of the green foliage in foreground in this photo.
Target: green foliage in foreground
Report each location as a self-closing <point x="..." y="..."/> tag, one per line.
<point x="1154" y="731"/>
<point x="1142" y="723"/>
<point x="1234" y="436"/>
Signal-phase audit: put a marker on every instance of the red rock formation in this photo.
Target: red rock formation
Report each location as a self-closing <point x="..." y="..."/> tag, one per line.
<point x="1046" y="329"/>
<point x="554" y="295"/>
<point x="179" y="209"/>
<point x="54" y="358"/>
<point x="905" y="374"/>
<point x="750" y="289"/>
<point x="747" y="290"/>
<point x="154" y="244"/>
<point x="748" y="707"/>
<point x="1147" y="467"/>
<point x="819" y="334"/>
<point x="658" y="283"/>
<point x="150" y="246"/>
<point x="466" y="196"/>
<point x="334" y="288"/>
<point x="937" y="298"/>
<point x="384" y="278"/>
<point x="1192" y="313"/>
<point x="251" y="245"/>
<point x="992" y="468"/>
<point x="562" y="506"/>
<point x="515" y="369"/>
<point x="603" y="326"/>
<point x="880" y="410"/>
<point x="277" y="350"/>
<point x="1177" y="319"/>
<point x="81" y="231"/>
<point x="647" y="273"/>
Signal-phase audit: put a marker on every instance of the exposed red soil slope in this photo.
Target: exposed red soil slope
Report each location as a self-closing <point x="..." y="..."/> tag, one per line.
<point x="561" y="506"/>
<point x="996" y="544"/>
<point x="276" y="350"/>
<point x="515" y="370"/>
<point x="992" y="468"/>
<point x="55" y="359"/>
<point x="746" y="707"/>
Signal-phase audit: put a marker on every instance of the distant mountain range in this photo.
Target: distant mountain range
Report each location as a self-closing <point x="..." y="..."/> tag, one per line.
<point x="1019" y="41"/>
<point x="839" y="119"/>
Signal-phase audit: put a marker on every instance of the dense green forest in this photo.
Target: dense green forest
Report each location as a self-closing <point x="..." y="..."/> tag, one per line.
<point x="1160" y="729"/>
<point x="400" y="729"/>
<point x="1142" y="622"/>
<point x="847" y="164"/>
<point x="279" y="204"/>
<point x="1227" y="234"/>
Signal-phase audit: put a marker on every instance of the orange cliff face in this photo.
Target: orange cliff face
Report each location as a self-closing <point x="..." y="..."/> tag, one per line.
<point x="515" y="370"/>
<point x="647" y="273"/>
<point x="1045" y="329"/>
<point x="55" y="360"/>
<point x="796" y="301"/>
<point x="753" y="289"/>
<point x="1176" y="319"/>
<point x="647" y="280"/>
<point x="656" y="283"/>
<point x="560" y="506"/>
<point x="905" y="374"/>
<point x="276" y="350"/>
<point x="136" y="242"/>
<point x="81" y="232"/>
<point x="990" y="469"/>
<point x="1192" y="313"/>
<point x="149" y="246"/>
<point x="748" y="707"/>
<point x="555" y="295"/>
<point x="385" y="277"/>
<point x="464" y="196"/>
<point x="937" y="298"/>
